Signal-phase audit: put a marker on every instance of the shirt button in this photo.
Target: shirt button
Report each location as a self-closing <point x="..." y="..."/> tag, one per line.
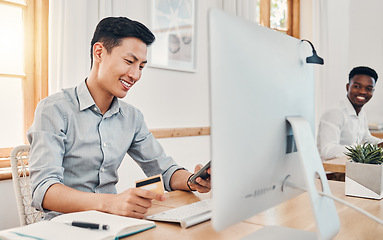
<point x="102" y="169"/>
<point x="95" y="109"/>
<point x="104" y="144"/>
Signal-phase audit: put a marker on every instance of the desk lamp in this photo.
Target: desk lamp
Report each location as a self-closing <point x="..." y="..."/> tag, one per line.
<point x="315" y="59"/>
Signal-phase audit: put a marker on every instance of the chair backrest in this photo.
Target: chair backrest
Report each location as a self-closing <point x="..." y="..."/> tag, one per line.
<point x="22" y="186"/>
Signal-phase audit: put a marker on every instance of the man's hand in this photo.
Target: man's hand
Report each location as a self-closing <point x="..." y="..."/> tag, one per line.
<point x="133" y="202"/>
<point x="202" y="186"/>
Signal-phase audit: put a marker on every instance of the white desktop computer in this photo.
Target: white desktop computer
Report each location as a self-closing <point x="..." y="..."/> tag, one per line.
<point x="262" y="126"/>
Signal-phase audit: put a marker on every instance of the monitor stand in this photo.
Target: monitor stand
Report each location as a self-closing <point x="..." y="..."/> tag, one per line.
<point x="326" y="217"/>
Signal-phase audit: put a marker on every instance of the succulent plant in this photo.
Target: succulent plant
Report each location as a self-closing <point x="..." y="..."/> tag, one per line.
<point x="365" y="153"/>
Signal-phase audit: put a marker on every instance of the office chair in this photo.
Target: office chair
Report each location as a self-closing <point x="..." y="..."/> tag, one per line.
<point x="22" y="186"/>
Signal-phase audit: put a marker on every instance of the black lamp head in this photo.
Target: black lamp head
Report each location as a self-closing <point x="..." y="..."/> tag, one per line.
<point x="315" y="59"/>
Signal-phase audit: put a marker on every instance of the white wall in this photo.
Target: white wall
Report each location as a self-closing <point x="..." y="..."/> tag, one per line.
<point x="338" y="49"/>
<point x="306" y="20"/>
<point x="353" y="39"/>
<point x="366" y="47"/>
<point x="8" y="209"/>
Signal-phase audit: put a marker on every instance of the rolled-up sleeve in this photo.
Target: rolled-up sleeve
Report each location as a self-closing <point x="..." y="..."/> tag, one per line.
<point x="149" y="154"/>
<point x="46" y="137"/>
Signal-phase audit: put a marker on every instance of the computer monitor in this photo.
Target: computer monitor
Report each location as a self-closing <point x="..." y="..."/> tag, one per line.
<point x="262" y="123"/>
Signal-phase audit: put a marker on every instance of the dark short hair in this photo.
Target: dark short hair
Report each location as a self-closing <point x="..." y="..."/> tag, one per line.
<point x="363" y="71"/>
<point x="111" y="30"/>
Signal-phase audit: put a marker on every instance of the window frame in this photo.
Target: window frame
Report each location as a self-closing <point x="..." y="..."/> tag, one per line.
<point x="293" y="16"/>
<point x="35" y="79"/>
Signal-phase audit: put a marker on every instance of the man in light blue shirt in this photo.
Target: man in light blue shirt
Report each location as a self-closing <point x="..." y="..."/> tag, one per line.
<point x="80" y="136"/>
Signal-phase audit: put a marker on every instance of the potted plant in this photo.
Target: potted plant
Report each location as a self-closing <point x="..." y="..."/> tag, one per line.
<point x="364" y="171"/>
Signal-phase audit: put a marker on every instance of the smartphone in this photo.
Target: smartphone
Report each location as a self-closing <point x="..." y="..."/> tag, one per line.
<point x="201" y="173"/>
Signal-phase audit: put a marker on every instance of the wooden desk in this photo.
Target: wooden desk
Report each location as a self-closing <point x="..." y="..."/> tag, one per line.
<point x="335" y="165"/>
<point x="295" y="213"/>
<point x="165" y="231"/>
<point x="377" y="133"/>
<point x="339" y="164"/>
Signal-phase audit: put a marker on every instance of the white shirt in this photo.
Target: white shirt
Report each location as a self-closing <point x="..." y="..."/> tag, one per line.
<point x="340" y="127"/>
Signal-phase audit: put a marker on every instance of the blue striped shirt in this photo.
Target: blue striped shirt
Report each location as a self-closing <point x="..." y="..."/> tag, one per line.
<point x="74" y="144"/>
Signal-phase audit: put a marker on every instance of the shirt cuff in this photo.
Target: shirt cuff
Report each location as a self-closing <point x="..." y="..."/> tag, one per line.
<point x="39" y="193"/>
<point x="167" y="175"/>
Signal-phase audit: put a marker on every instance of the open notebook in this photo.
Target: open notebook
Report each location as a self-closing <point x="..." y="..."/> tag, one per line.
<point x="57" y="229"/>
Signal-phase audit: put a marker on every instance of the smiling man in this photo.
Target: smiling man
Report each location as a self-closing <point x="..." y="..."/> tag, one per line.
<point x="80" y="136"/>
<point x="346" y="124"/>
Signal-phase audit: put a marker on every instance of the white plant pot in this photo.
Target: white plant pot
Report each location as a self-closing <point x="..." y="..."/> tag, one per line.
<point x="364" y="180"/>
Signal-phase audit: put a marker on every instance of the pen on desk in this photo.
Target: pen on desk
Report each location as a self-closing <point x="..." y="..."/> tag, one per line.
<point x="88" y="225"/>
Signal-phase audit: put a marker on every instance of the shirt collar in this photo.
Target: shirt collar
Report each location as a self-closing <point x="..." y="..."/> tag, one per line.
<point x="114" y="107"/>
<point x="84" y="97"/>
<point x="86" y="100"/>
<point x="350" y="109"/>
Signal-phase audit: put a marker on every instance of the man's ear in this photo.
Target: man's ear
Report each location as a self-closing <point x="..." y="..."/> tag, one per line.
<point x="98" y="48"/>
<point x="347" y="85"/>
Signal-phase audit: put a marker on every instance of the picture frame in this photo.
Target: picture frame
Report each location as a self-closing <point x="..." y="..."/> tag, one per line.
<point x="174" y="26"/>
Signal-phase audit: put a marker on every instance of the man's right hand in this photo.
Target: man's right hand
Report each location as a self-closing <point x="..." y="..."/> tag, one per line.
<point x="133" y="202"/>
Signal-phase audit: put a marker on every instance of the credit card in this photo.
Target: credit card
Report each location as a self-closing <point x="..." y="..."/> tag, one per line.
<point x="153" y="183"/>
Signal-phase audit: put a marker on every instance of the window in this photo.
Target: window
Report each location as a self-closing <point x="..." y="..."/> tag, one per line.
<point x="281" y="15"/>
<point x="23" y="69"/>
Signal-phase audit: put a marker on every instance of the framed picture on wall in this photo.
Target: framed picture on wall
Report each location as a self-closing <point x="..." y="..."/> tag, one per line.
<point x="173" y="24"/>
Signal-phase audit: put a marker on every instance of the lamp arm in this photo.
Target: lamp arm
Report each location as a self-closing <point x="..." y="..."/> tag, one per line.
<point x="312" y="46"/>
